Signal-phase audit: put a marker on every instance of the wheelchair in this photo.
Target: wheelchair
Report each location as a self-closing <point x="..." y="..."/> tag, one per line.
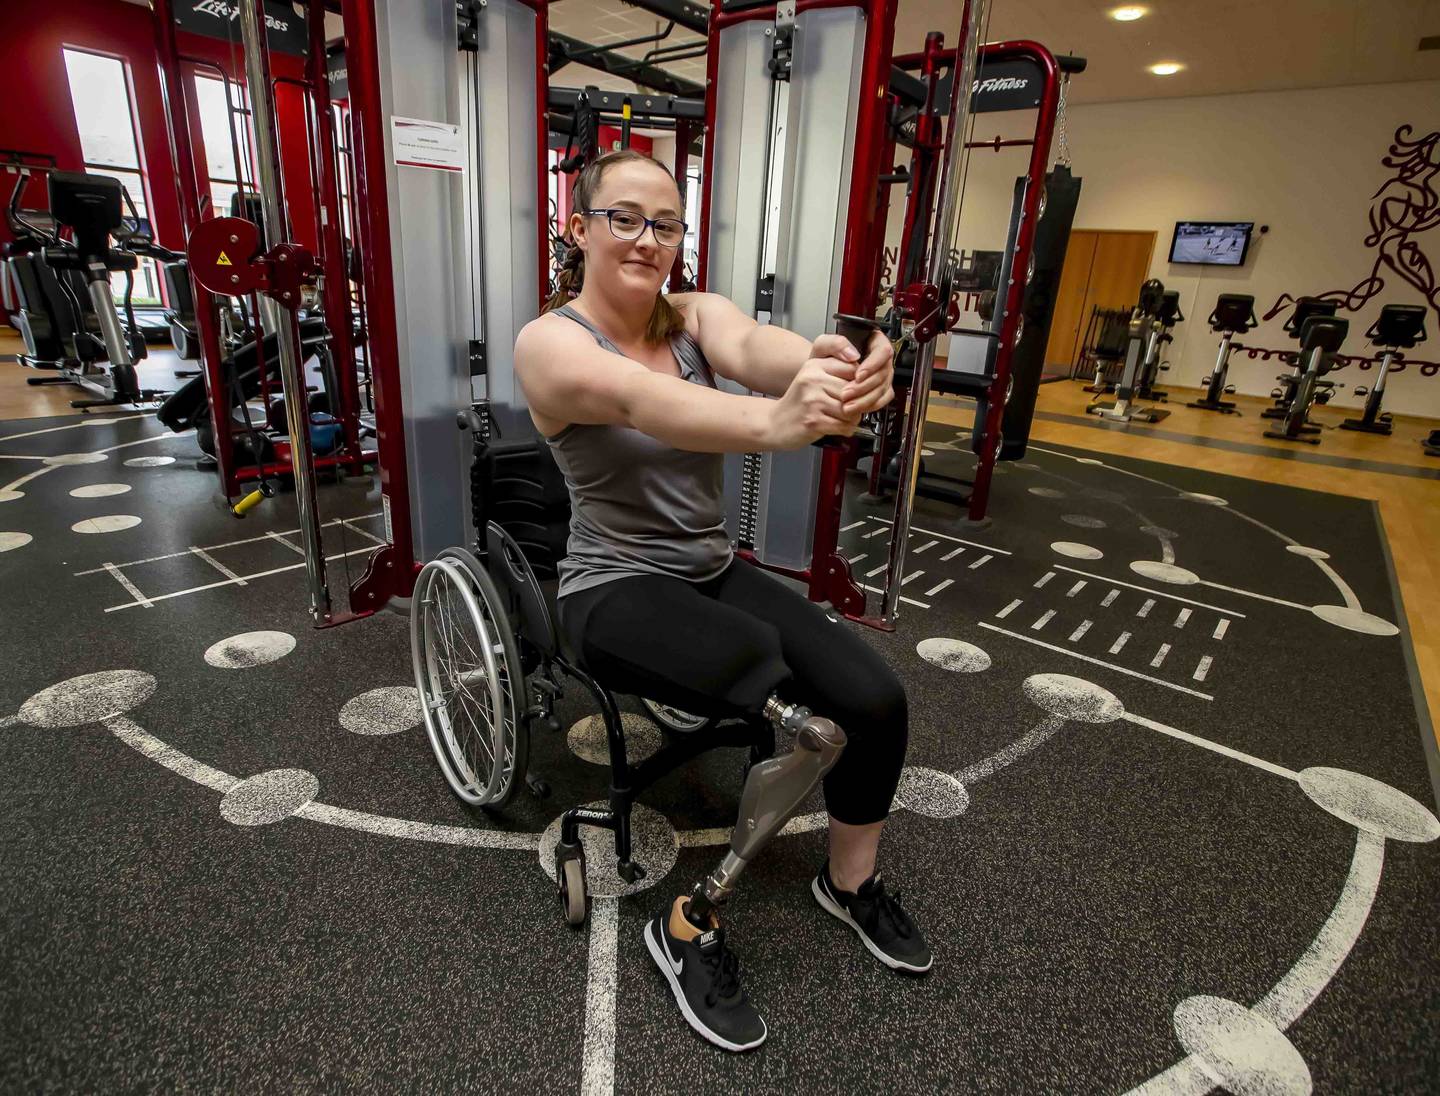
<point x="490" y="664"/>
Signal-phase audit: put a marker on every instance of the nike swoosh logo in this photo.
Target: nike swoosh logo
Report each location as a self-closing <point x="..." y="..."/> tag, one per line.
<point x="665" y="946"/>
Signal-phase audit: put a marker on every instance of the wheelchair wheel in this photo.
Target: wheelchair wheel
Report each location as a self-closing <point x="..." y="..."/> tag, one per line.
<point x="570" y="880"/>
<point x="467" y="670"/>
<point x="673" y="719"/>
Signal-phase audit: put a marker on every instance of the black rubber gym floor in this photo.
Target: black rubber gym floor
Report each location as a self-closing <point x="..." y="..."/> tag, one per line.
<point x="1202" y="853"/>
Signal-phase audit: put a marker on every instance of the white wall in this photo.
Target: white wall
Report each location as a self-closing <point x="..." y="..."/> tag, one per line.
<point x="1306" y="163"/>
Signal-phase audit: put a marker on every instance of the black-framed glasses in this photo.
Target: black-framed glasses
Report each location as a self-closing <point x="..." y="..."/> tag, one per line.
<point x="626" y="224"/>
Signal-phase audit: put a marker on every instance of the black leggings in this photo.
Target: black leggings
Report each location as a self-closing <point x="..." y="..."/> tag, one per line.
<point x="720" y="647"/>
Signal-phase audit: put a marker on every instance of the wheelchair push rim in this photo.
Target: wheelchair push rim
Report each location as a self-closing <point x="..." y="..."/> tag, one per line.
<point x="468" y="673"/>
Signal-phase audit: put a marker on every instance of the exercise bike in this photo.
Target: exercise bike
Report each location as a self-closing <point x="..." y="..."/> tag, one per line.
<point x="1233" y="314"/>
<point x="1142" y="348"/>
<point x="1399" y="327"/>
<point x="1284" y="395"/>
<point x="1320" y="339"/>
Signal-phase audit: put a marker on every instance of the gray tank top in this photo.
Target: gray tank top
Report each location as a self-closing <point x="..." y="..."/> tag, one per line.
<point x="637" y="505"/>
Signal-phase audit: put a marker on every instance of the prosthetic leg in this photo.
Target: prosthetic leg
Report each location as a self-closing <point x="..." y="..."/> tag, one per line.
<point x="774" y="790"/>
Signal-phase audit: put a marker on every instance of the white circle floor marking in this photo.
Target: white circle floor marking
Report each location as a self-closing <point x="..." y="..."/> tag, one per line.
<point x="99" y="490"/>
<point x="1076" y="551"/>
<point x="65" y="459"/>
<point x="1164" y="572"/>
<point x="249" y="649"/>
<point x="1308" y="553"/>
<point x="389" y="709"/>
<point x="1046" y="492"/>
<point x="1073" y="698"/>
<point x="1239" y="1049"/>
<point x="653" y="845"/>
<point x="10" y="541"/>
<point x="1084" y="521"/>
<point x="1369" y="805"/>
<point x="106" y="523"/>
<point x="269" y="797"/>
<point x="148" y="462"/>
<point x="931" y="793"/>
<point x="587" y="739"/>
<point x="1355" y="620"/>
<point x="1208" y="500"/>
<point x="954" y="655"/>
<point x="11" y="496"/>
<point x="87" y="699"/>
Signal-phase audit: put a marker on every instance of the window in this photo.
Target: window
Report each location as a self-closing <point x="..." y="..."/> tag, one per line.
<point x="105" y="117"/>
<point x="221" y="140"/>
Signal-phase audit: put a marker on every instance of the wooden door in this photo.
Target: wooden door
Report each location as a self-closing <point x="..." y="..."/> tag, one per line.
<point x="1108" y="269"/>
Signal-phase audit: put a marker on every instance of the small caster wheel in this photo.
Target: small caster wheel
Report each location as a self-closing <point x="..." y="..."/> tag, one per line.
<point x="630" y="871"/>
<point x="539" y="787"/>
<point x="570" y="882"/>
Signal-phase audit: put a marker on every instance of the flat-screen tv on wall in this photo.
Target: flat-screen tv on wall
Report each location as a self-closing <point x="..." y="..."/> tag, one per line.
<point x="1219" y="243"/>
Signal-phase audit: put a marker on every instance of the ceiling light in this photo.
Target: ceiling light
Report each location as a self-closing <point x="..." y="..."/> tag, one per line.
<point x="1128" y="14"/>
<point x="1166" y="68"/>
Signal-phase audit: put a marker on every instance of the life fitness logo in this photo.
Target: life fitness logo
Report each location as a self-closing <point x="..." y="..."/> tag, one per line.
<point x="1001" y="83"/>
<point x="221" y="10"/>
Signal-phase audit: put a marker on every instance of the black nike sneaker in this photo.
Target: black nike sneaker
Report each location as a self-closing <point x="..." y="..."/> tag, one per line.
<point x="877" y="916"/>
<point x="704" y="976"/>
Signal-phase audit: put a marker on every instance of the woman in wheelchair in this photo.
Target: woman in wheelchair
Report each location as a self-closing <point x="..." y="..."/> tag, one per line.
<point x="620" y="380"/>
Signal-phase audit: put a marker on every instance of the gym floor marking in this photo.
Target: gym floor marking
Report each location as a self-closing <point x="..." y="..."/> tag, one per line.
<point x="1159" y="659"/>
<point x="935" y="590"/>
<point x="1044" y="620"/>
<point x="981" y="562"/>
<point x="1221" y="629"/>
<point x="1202" y="669"/>
<point x="1080" y="585"/>
<point x="1147" y="590"/>
<point x="857" y="559"/>
<point x="852" y="525"/>
<point x="911" y="577"/>
<point x="1003" y="613"/>
<point x="215" y="563"/>
<point x="1080" y="631"/>
<point x="1144" y="610"/>
<point x="906" y="600"/>
<point x="1095" y="661"/>
<point x="134" y="591"/>
<point x="946" y="536"/>
<point x="1119" y="644"/>
<point x="952" y="553"/>
<point x="238" y="580"/>
<point x="926" y="546"/>
<point x="1182" y="618"/>
<point x="1110" y="597"/>
<point x="1044" y="579"/>
<point x="288" y="543"/>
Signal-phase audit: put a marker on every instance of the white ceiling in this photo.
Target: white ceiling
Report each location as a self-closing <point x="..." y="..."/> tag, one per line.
<point x="1226" y="46"/>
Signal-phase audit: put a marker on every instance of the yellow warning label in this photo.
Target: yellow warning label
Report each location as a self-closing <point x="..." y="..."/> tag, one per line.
<point x="224" y="260"/>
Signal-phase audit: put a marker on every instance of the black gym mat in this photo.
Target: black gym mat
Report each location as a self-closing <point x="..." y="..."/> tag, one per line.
<point x="1100" y="875"/>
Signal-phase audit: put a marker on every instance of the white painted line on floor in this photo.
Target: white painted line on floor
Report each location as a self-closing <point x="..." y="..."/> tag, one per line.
<point x="1202" y="669"/>
<point x="130" y="587"/>
<point x="1079" y="585"/>
<point x="1110" y="598"/>
<point x="935" y="590"/>
<point x="1303" y="983"/>
<point x="1045" y="619"/>
<point x="346" y="524"/>
<point x="981" y="562"/>
<point x="140" y="740"/>
<point x="911" y="577"/>
<point x="247" y="578"/>
<point x="1159" y="659"/>
<point x="1046" y="577"/>
<point x="145" y="441"/>
<point x="876" y="533"/>
<point x="906" y="600"/>
<point x="872" y="573"/>
<point x="597" y="1076"/>
<point x="215" y="563"/>
<point x="1119" y="644"/>
<point x="18" y="456"/>
<point x="852" y="525"/>
<point x="1035" y="737"/>
<point x="1258" y="597"/>
<point x="227" y="544"/>
<point x="1003" y="613"/>
<point x="1095" y="661"/>
<point x="417" y="831"/>
<point x="85" y="421"/>
<point x="1195" y="740"/>
<point x="857" y="559"/>
<point x="28" y="476"/>
<point x="952" y="553"/>
<point x="1221" y="629"/>
<point x="946" y="536"/>
<point x="1340" y="584"/>
<point x="1183" y="617"/>
<point x="926" y="546"/>
<point x="1145" y="609"/>
<point x="1080" y="631"/>
<point x="288" y="543"/>
<point x="8" y="721"/>
<point x="720" y="835"/>
<point x="1147" y="590"/>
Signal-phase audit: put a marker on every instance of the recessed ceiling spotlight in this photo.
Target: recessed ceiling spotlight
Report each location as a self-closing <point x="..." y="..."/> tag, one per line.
<point x="1166" y="68"/>
<point x="1128" y="14"/>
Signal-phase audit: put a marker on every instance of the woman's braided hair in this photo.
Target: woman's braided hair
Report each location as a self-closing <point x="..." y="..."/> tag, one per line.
<point x="665" y="321"/>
